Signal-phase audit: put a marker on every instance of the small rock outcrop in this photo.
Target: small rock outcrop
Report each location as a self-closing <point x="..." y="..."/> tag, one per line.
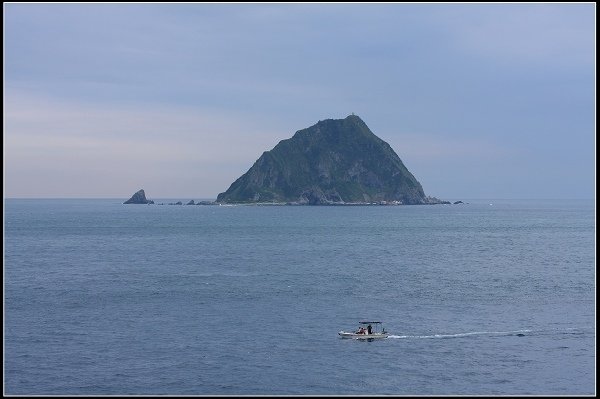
<point x="191" y="202"/>
<point x="206" y="203"/>
<point x="139" y="198"/>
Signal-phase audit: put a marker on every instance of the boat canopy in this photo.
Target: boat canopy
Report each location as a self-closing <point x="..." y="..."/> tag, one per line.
<point x="369" y="322"/>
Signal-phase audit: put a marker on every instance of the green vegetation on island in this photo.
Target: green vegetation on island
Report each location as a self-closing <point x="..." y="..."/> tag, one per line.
<point x="336" y="161"/>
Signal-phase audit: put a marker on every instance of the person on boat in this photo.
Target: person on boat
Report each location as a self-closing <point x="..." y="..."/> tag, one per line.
<point x="361" y="331"/>
<point x="369" y="331"/>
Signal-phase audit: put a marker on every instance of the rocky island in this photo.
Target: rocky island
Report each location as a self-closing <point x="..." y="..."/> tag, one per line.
<point x="334" y="162"/>
<point x="139" y="198"/>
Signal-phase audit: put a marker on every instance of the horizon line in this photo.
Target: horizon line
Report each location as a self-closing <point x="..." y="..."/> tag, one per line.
<point x="210" y="198"/>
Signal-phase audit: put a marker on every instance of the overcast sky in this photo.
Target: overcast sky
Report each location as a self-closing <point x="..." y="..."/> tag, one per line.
<point x="479" y="101"/>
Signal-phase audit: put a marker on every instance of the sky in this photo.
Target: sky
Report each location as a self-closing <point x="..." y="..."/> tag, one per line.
<point x="479" y="100"/>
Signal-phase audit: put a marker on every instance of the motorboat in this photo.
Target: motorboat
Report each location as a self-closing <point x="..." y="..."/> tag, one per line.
<point x="367" y="330"/>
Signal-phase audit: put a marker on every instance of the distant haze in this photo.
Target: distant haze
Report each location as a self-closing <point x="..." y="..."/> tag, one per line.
<point x="478" y="100"/>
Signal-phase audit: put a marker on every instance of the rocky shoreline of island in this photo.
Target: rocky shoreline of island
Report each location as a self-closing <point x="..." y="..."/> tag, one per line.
<point x="140" y="198"/>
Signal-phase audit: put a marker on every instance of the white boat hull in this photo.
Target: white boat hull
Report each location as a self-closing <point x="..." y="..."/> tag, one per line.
<point x="344" y="334"/>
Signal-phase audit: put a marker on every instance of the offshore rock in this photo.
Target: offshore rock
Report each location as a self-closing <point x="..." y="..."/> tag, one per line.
<point x="336" y="161"/>
<point x="139" y="198"/>
<point x="206" y="203"/>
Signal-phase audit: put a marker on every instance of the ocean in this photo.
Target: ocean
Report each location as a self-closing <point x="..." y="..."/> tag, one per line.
<point x="490" y="297"/>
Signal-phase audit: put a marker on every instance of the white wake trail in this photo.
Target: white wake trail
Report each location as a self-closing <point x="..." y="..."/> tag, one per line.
<point x="459" y="335"/>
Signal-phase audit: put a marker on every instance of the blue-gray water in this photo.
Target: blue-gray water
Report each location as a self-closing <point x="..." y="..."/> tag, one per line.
<point x="490" y="297"/>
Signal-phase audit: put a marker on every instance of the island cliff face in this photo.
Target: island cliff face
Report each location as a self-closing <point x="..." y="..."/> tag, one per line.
<point x="335" y="161"/>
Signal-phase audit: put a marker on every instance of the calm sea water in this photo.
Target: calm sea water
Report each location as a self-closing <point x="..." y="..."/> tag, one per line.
<point x="490" y="297"/>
